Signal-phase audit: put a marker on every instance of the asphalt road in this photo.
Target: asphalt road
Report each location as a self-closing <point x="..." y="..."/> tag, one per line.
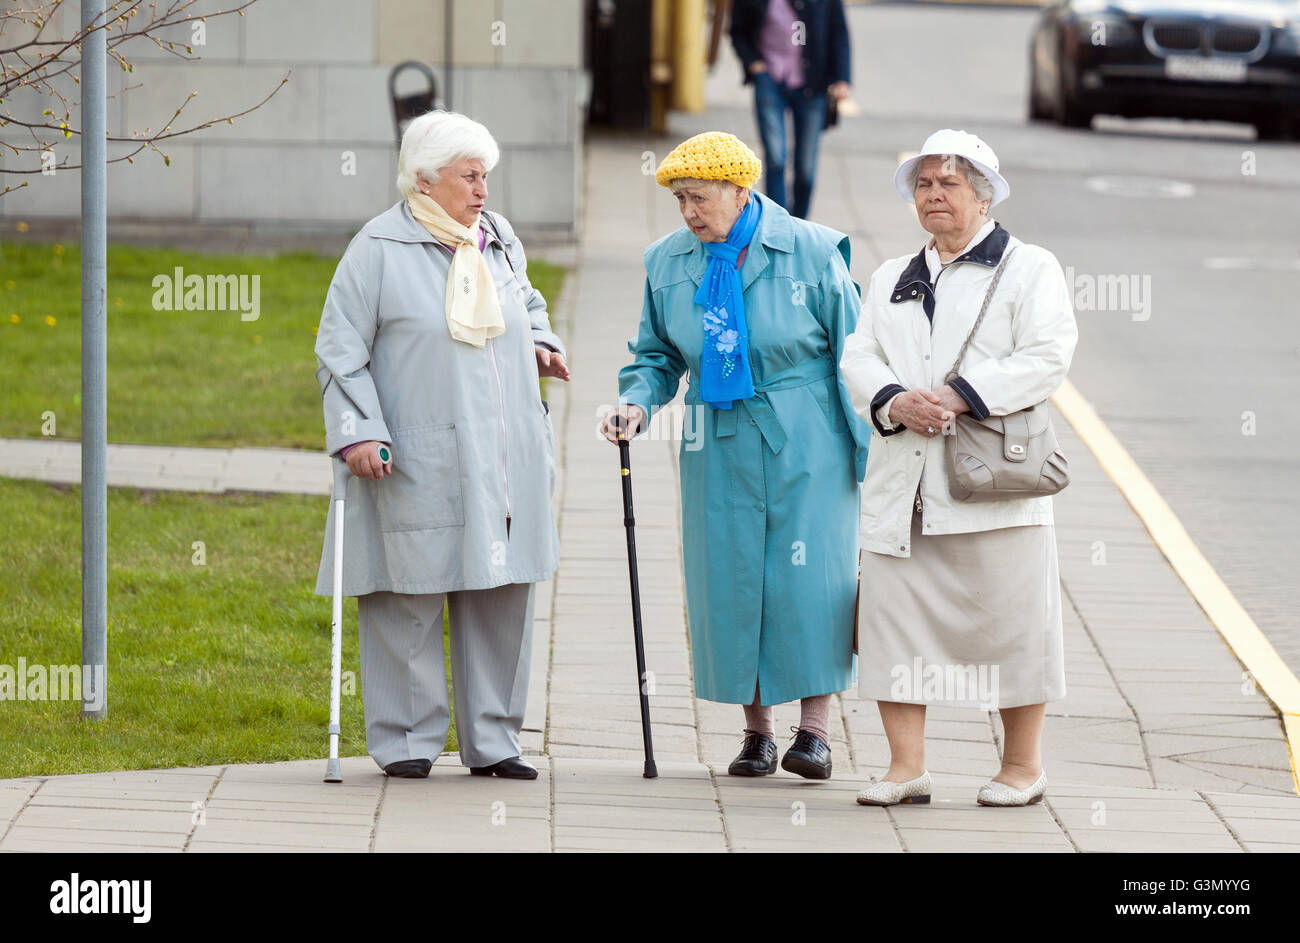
<point x="1198" y="372"/>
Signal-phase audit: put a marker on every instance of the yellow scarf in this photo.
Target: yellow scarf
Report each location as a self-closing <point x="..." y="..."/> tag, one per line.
<point x="473" y="311"/>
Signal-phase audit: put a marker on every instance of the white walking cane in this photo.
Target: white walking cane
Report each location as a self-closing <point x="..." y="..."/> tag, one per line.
<point x="332" y="772"/>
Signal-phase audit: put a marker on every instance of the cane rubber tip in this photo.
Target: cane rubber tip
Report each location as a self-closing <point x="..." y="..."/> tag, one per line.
<point x="650" y="771"/>
<point x="332" y="772"/>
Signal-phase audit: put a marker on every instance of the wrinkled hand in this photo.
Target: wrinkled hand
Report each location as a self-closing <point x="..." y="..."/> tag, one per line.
<point x="551" y="363"/>
<point x="921" y="411"/>
<point x="634" y="417"/>
<point x="951" y="400"/>
<point x="363" y="461"/>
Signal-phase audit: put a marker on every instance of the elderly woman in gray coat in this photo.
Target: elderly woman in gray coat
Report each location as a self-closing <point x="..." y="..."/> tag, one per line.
<point x="431" y="341"/>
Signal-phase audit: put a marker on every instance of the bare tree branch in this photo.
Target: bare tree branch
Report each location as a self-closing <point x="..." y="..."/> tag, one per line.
<point x="33" y="66"/>
<point x="149" y="139"/>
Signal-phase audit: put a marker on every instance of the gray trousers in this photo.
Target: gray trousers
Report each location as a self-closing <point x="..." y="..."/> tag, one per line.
<point x="404" y="676"/>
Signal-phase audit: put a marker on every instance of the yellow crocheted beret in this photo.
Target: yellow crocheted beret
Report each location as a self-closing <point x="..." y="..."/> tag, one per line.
<point x="713" y="155"/>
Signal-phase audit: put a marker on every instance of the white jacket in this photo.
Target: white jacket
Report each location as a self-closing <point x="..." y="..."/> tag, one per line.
<point x="1019" y="357"/>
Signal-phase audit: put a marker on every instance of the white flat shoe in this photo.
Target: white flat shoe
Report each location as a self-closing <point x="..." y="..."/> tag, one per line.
<point x="883" y="792"/>
<point x="994" y="793"/>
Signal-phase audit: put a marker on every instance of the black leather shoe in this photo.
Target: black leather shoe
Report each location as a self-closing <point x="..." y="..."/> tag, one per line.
<point x="409" y="769"/>
<point x="757" y="756"/>
<point x="809" y="756"/>
<point x="512" y="767"/>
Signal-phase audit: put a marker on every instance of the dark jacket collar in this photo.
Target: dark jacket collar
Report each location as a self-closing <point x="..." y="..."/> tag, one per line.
<point x="916" y="276"/>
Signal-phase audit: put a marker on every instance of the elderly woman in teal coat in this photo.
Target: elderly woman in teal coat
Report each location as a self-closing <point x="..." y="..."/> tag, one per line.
<point x="756" y="305"/>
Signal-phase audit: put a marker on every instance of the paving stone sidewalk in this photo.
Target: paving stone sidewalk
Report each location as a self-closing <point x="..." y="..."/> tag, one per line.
<point x="172" y="468"/>
<point x="1160" y="744"/>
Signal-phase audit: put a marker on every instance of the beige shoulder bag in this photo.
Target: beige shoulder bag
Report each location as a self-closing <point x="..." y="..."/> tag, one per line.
<point x="1002" y="457"/>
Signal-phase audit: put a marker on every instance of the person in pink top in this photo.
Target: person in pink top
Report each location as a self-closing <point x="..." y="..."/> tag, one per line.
<point x="797" y="55"/>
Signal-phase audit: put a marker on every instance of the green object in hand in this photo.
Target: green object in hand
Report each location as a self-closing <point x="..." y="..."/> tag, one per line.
<point x="385" y="456"/>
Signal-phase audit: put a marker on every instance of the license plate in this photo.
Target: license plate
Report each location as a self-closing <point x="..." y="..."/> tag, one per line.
<point x="1205" y="69"/>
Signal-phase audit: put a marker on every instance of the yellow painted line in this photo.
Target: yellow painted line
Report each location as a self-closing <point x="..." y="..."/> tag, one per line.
<point x="1291" y="724"/>
<point x="1229" y="617"/>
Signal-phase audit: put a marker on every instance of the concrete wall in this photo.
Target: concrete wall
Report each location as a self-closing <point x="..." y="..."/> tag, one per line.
<point x="517" y="68"/>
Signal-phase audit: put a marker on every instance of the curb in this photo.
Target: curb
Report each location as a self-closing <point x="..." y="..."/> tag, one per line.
<point x="1243" y="637"/>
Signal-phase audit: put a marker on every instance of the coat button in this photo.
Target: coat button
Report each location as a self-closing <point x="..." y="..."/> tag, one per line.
<point x="913" y="292"/>
<point x="761" y="506"/>
<point x="918" y="451"/>
<point x="902" y="548"/>
<point x="927" y="356"/>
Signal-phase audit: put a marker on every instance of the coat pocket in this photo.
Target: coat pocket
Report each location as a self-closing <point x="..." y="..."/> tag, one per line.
<point x="548" y="437"/>
<point x="826" y="393"/>
<point x="424" y="490"/>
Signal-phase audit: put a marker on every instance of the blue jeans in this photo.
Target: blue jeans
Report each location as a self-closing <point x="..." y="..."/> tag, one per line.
<point x="771" y="99"/>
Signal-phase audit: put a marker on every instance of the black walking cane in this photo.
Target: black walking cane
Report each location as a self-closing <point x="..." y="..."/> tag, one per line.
<point x="629" y="522"/>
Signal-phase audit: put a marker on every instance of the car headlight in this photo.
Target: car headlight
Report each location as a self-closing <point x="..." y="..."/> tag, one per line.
<point x="1287" y="39"/>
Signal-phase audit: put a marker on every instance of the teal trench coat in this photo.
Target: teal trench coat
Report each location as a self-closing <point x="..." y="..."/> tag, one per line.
<point x="770" y="487"/>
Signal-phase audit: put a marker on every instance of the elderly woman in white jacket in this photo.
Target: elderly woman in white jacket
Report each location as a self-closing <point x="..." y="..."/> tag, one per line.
<point x="965" y="597"/>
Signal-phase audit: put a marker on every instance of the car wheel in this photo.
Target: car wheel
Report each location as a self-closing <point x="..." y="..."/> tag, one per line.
<point x="1036" y="110"/>
<point x="1072" y="114"/>
<point x="1280" y="128"/>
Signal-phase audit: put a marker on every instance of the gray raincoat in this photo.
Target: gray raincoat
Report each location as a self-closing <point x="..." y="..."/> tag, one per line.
<point x="471" y="438"/>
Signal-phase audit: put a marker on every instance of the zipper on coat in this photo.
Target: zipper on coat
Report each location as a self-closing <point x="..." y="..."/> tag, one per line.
<point x="501" y="401"/>
<point x="920" y="505"/>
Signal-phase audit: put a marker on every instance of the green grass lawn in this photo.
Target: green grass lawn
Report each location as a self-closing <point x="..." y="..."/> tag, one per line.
<point x="222" y="663"/>
<point x="174" y="377"/>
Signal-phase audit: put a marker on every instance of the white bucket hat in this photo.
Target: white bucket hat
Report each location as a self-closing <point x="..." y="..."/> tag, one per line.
<point x="963" y="144"/>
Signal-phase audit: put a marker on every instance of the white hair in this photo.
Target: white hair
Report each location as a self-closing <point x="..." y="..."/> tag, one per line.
<point x="979" y="183"/>
<point x="438" y="139"/>
<point x="721" y="186"/>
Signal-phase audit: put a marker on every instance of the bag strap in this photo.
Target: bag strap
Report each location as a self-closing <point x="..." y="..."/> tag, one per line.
<point x="988" y="296"/>
<point x="504" y="248"/>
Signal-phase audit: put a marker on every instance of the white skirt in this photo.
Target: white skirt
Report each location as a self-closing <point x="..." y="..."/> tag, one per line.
<point x="970" y="620"/>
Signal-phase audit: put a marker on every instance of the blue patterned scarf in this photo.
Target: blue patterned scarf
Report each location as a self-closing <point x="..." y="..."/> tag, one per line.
<point x="724" y="363"/>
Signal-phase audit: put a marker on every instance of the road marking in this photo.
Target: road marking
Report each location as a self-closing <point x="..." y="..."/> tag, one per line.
<point x="1151" y="187"/>
<point x="1235" y="263"/>
<point x="1251" y="647"/>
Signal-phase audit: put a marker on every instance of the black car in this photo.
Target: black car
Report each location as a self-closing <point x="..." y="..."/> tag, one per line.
<point x="1227" y="60"/>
